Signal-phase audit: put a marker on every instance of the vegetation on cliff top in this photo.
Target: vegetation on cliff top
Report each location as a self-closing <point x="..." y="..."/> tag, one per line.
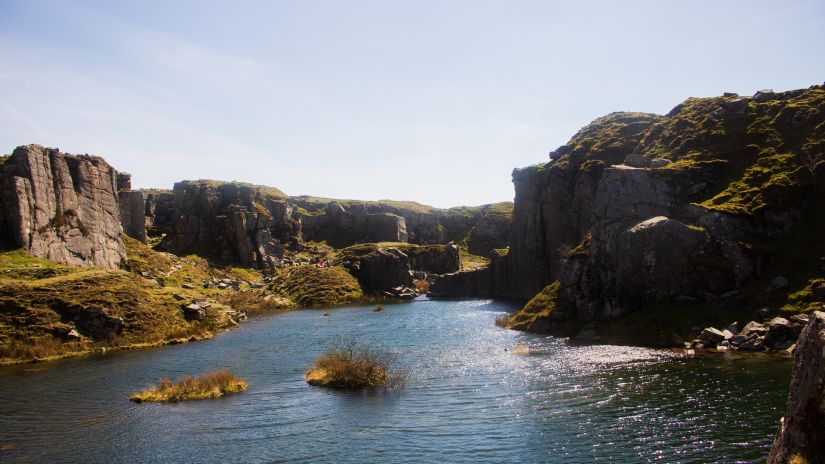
<point x="347" y="365"/>
<point x="768" y="147"/>
<point x="263" y="190"/>
<point x="209" y="385"/>
<point x="609" y="138"/>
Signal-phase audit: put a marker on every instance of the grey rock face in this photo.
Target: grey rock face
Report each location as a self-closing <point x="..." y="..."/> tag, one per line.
<point x="230" y="222"/>
<point x="476" y="282"/>
<point x="800" y="431"/>
<point x="62" y="207"/>
<point x="133" y="213"/>
<point x="640" y="253"/>
<point x="382" y="270"/>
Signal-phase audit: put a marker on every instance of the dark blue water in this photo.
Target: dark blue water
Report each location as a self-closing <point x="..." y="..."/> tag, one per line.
<point x="468" y="398"/>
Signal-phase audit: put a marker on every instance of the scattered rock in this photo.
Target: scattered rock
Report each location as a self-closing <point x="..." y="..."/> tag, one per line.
<point x="753" y="327"/>
<point x="733" y="328"/>
<point x="194" y="311"/>
<point x="659" y="162"/>
<point x="764" y="95"/>
<point x="713" y="336"/>
<point x="777" y="283"/>
<point x="764" y="312"/>
<point x="636" y="160"/>
<point x="72" y="336"/>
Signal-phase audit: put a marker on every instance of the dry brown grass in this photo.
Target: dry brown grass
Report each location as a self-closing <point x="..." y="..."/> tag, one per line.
<point x="42" y="349"/>
<point x="209" y="385"/>
<point x="350" y="366"/>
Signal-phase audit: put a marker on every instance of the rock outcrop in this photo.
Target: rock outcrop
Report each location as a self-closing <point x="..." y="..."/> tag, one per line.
<point x="132" y="208"/>
<point x="231" y="222"/>
<point x="709" y="202"/>
<point x="342" y="223"/>
<point x="801" y="433"/>
<point x="61" y="207"/>
<point x="380" y="270"/>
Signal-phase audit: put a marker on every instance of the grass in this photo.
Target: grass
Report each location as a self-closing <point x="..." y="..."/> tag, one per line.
<point x="209" y="385"/>
<point x="536" y="312"/>
<point x="470" y="260"/>
<point x="40" y="301"/>
<point x="264" y="190"/>
<point x="350" y="366"/>
<point x="314" y="286"/>
<point x="609" y="138"/>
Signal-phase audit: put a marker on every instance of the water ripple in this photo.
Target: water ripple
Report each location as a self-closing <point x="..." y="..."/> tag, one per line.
<point x="468" y="398"/>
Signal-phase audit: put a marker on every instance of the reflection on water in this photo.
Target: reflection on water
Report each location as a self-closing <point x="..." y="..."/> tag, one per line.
<point x="469" y="397"/>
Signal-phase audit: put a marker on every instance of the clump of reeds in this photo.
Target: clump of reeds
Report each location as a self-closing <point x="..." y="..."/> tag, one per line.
<point x="350" y="366"/>
<point x="209" y="385"/>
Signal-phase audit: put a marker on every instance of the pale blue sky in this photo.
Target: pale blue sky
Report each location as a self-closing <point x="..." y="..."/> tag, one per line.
<point x="433" y="101"/>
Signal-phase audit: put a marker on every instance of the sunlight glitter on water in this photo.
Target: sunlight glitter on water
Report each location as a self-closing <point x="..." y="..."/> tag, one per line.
<point x="469" y="398"/>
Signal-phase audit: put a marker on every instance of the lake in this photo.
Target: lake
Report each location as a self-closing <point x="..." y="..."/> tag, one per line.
<point x="468" y="398"/>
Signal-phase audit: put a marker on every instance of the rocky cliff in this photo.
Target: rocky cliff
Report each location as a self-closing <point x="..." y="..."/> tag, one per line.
<point x="342" y="223"/>
<point x="228" y="221"/>
<point x="250" y="224"/>
<point x="704" y="206"/>
<point x="61" y="207"/>
<point x="801" y="433"/>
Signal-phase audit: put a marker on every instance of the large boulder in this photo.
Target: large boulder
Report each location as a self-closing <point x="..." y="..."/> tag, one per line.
<point x="61" y="207"/>
<point x="801" y="433"/>
<point x="380" y="270"/>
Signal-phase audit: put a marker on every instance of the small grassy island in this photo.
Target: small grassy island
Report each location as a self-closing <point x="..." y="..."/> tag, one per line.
<point x="347" y="366"/>
<point x="209" y="385"/>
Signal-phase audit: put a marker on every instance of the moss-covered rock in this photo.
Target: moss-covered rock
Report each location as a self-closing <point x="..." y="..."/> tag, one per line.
<point x="315" y="286"/>
<point x="741" y="177"/>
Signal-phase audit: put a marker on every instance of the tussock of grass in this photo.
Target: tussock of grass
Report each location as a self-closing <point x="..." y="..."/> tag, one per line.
<point x="350" y="366"/>
<point x="209" y="385"/>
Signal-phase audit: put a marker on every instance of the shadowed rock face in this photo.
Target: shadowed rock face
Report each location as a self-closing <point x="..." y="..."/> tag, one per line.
<point x="801" y="432"/>
<point x="61" y="207"/>
<point x="639" y="209"/>
<point x="132" y="208"/>
<point x="381" y="270"/>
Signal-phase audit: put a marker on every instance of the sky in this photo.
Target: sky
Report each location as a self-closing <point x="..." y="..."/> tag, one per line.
<point x="431" y="101"/>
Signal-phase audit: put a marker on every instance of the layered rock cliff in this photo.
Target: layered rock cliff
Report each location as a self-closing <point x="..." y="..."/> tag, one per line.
<point x="61" y="207"/>
<point x="710" y="202"/>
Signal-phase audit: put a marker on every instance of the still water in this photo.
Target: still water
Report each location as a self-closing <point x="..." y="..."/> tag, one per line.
<point x="468" y="398"/>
